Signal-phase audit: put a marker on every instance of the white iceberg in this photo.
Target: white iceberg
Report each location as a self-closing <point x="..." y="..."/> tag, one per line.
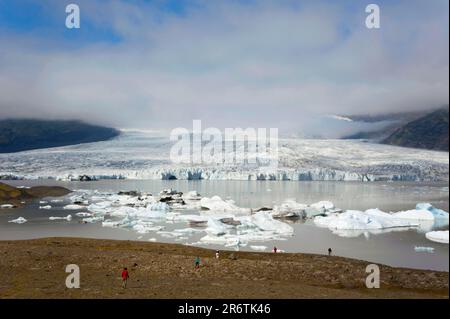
<point x="47" y="207"/>
<point x="68" y="218"/>
<point x="6" y="206"/>
<point x="289" y="208"/>
<point x="258" y="248"/>
<point x="217" y="204"/>
<point x="19" y="220"/>
<point x="83" y="214"/>
<point x="372" y="219"/>
<point x="438" y="236"/>
<point x="73" y="207"/>
<point x="421" y="249"/>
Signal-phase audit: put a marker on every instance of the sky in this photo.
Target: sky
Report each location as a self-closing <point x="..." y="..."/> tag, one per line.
<point x="230" y="63"/>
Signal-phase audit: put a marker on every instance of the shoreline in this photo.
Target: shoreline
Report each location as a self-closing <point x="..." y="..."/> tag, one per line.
<point x="36" y="269"/>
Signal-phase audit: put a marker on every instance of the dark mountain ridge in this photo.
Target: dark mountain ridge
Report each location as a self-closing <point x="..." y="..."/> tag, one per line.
<point x="27" y="134"/>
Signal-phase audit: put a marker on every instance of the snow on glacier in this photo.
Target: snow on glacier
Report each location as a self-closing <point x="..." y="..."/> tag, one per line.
<point x="140" y="155"/>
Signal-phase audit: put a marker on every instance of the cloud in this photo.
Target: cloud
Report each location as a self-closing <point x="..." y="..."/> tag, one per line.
<point x="229" y="63"/>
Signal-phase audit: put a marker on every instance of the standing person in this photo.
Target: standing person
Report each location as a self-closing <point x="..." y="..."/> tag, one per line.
<point x="217" y="254"/>
<point x="197" y="262"/>
<point x="125" y="277"/>
<point x="330" y="251"/>
<point x="275" y="249"/>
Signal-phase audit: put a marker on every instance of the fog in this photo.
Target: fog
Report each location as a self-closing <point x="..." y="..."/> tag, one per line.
<point x="264" y="63"/>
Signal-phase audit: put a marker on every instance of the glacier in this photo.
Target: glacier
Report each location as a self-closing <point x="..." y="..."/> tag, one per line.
<point x="143" y="155"/>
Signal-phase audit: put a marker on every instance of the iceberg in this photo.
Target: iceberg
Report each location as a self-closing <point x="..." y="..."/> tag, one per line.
<point x="83" y="214"/>
<point x="370" y="220"/>
<point x="19" y="220"/>
<point x="217" y="204"/>
<point x="68" y="218"/>
<point x="6" y="206"/>
<point x="258" y="248"/>
<point x="45" y="207"/>
<point x="438" y="236"/>
<point x="73" y="207"/>
<point x="421" y="249"/>
<point x="289" y="208"/>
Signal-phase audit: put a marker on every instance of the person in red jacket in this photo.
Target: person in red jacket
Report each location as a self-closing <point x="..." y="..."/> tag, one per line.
<point x="125" y="277"/>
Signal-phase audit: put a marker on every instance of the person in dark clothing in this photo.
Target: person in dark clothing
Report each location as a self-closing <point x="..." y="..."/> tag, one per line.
<point x="330" y="251"/>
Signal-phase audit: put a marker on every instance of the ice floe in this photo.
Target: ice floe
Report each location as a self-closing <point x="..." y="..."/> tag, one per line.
<point x="47" y="207"/>
<point x="19" y="220"/>
<point x="68" y="218"/>
<point x="421" y="249"/>
<point x="438" y="236"/>
<point x="73" y="207"/>
<point x="6" y="206"/>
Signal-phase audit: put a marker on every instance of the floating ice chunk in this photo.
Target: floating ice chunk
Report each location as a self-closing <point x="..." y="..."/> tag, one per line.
<point x="83" y="214"/>
<point x="73" y="207"/>
<point x="266" y="222"/>
<point x="194" y="219"/>
<point x="372" y="219"/>
<point x="56" y="201"/>
<point x="217" y="204"/>
<point x="420" y="249"/>
<point x="93" y="219"/>
<point x="68" y="218"/>
<point x="159" y="207"/>
<point x="323" y="205"/>
<point x="216" y="228"/>
<point x="143" y="228"/>
<point x="45" y="207"/>
<point x="6" y="206"/>
<point x="43" y="202"/>
<point x="415" y="214"/>
<point x="19" y="220"/>
<point x="437" y="213"/>
<point x="258" y="248"/>
<point x="100" y="207"/>
<point x="168" y="234"/>
<point x="188" y="231"/>
<point x="192" y="195"/>
<point x="289" y="208"/>
<point x="438" y="236"/>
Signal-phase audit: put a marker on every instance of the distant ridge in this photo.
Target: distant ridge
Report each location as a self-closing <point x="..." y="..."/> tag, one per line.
<point x="27" y="134"/>
<point x="427" y="132"/>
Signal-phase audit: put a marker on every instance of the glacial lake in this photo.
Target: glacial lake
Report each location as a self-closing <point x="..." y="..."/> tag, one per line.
<point x="394" y="248"/>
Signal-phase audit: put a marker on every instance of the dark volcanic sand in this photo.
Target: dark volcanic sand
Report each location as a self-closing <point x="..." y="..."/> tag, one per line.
<point x="36" y="269"/>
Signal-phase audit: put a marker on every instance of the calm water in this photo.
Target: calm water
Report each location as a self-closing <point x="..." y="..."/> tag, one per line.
<point x="395" y="248"/>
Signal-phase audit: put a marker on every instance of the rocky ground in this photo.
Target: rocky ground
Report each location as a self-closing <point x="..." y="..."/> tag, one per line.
<point x="36" y="269"/>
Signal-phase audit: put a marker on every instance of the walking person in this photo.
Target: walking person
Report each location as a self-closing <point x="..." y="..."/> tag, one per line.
<point x="125" y="277"/>
<point x="197" y="262"/>
<point x="330" y="251"/>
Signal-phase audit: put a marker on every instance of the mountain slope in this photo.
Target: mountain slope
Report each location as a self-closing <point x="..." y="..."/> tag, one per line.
<point x="27" y="134"/>
<point x="428" y="132"/>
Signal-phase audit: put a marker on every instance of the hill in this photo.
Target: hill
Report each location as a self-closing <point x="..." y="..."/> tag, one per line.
<point x="427" y="132"/>
<point x="27" y="134"/>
